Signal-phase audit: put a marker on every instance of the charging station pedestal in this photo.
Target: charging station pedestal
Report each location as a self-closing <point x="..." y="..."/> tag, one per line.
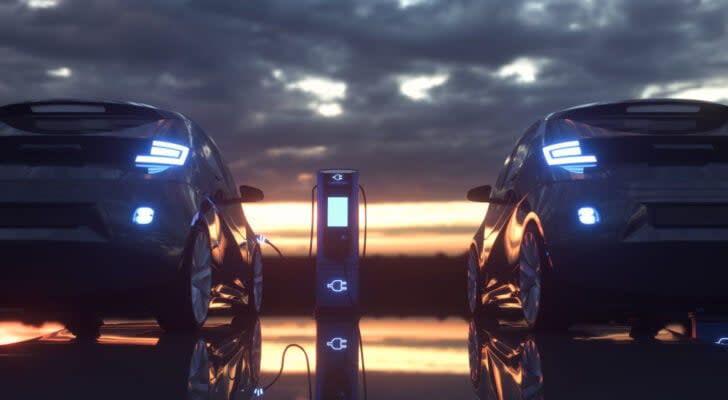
<point x="337" y="284"/>
<point x="337" y="254"/>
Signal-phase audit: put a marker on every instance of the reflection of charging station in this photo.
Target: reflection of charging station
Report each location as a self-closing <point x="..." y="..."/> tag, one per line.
<point x="338" y="340"/>
<point x="337" y="355"/>
<point x="337" y="255"/>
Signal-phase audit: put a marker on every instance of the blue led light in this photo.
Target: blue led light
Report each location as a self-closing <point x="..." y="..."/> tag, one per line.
<point x="257" y="392"/>
<point x="163" y="153"/>
<point x="588" y="215"/>
<point x="568" y="153"/>
<point x="143" y="216"/>
<point x="338" y="286"/>
<point x="722" y="341"/>
<point x="337" y="344"/>
<point x="155" y="170"/>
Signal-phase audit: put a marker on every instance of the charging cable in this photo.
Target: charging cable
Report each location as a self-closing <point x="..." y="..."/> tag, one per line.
<point x="259" y="391"/>
<point x="358" y="330"/>
<point x="263" y="239"/>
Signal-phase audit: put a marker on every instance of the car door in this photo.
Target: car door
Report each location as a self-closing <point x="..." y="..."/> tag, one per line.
<point x="222" y="187"/>
<point x="504" y="192"/>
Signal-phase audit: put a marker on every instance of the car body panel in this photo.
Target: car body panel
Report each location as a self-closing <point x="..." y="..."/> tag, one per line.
<point x="77" y="197"/>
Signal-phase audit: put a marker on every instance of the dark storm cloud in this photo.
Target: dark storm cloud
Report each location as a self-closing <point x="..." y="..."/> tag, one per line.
<point x="215" y="61"/>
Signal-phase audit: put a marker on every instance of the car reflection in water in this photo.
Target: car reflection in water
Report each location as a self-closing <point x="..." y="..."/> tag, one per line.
<point x="503" y="365"/>
<point x="594" y="362"/>
<point x="137" y="361"/>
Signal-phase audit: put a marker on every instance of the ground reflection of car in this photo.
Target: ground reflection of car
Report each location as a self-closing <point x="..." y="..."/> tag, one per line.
<point x="593" y="362"/>
<point x="118" y="207"/>
<point x="504" y="366"/>
<point x="607" y="207"/>
<point x="137" y="361"/>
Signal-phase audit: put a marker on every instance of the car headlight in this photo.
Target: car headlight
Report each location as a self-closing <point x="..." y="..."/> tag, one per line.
<point x="568" y="153"/>
<point x="162" y="155"/>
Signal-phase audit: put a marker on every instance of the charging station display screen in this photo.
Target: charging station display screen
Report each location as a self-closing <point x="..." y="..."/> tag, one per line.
<point x="337" y="212"/>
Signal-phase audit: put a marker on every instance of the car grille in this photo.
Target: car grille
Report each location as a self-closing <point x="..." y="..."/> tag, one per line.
<point x="53" y="215"/>
<point x="688" y="215"/>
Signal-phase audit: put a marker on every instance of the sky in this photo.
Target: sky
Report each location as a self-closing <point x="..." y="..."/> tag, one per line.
<point x="425" y="97"/>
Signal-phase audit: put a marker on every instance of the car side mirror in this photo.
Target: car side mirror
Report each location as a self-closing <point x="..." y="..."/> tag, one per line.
<point x="250" y="194"/>
<point x="480" y="194"/>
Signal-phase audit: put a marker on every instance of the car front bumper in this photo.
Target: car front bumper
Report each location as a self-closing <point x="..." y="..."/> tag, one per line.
<point x="48" y="260"/>
<point x="625" y="259"/>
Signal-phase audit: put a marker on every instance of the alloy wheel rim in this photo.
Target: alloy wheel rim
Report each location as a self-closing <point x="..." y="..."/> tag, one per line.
<point x="201" y="277"/>
<point x="529" y="292"/>
<point x="474" y="353"/>
<point x="258" y="281"/>
<point x="255" y="353"/>
<point x="198" y="381"/>
<point x="532" y="381"/>
<point x="472" y="282"/>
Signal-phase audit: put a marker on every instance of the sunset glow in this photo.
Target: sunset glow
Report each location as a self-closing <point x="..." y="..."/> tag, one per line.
<point x="14" y="332"/>
<point x="417" y="228"/>
<point x="429" y="346"/>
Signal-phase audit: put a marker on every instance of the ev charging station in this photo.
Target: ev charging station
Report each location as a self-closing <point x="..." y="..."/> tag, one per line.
<point x="337" y="238"/>
<point x="337" y="284"/>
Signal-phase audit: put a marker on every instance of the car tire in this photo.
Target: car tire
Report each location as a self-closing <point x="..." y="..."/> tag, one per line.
<point x="475" y="285"/>
<point x="186" y="306"/>
<point x="254" y="283"/>
<point x="540" y="311"/>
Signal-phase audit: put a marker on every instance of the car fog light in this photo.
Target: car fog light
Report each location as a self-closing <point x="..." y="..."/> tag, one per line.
<point x="143" y="216"/>
<point x="588" y="215"/>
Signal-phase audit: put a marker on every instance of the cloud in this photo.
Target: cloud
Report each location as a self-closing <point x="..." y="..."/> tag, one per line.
<point x="298" y="75"/>
<point x="41" y="3"/>
<point x="521" y="70"/>
<point x="709" y="90"/>
<point x="418" y="87"/>
<point x="62" y="72"/>
<point x="298" y="152"/>
<point x="322" y="88"/>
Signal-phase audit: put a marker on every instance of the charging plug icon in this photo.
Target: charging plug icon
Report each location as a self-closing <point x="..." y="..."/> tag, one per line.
<point x="337" y="344"/>
<point x="338" y="286"/>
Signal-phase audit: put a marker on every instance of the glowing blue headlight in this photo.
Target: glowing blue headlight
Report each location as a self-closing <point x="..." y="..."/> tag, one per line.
<point x="163" y="154"/>
<point x="143" y="216"/>
<point x="568" y="153"/>
<point x="588" y="215"/>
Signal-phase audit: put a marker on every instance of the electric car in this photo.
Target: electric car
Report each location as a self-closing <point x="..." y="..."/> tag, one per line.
<point x="607" y="207"/>
<point x="119" y="207"/>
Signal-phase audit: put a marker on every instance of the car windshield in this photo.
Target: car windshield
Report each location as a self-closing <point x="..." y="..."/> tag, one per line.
<point x="585" y="124"/>
<point x="65" y="124"/>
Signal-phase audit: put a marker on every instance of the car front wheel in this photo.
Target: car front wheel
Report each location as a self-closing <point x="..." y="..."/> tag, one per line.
<point x="474" y="283"/>
<point x="187" y="304"/>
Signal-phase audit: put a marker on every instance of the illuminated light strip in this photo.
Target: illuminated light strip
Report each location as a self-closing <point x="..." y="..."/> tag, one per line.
<point x="722" y="341"/>
<point x="163" y="153"/>
<point x="567" y="153"/>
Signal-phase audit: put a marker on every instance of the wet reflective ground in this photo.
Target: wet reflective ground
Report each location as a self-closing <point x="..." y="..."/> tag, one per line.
<point x="405" y="358"/>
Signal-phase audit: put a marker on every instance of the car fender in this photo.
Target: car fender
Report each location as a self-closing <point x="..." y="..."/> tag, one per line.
<point x="208" y="216"/>
<point x="521" y="217"/>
